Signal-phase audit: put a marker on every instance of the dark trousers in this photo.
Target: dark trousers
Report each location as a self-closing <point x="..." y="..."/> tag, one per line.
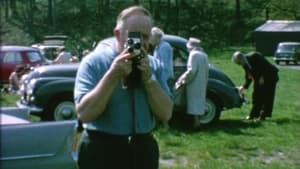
<point x="263" y="99"/>
<point x="104" y="151"/>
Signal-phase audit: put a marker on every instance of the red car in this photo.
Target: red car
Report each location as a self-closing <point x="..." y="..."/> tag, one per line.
<point x="11" y="56"/>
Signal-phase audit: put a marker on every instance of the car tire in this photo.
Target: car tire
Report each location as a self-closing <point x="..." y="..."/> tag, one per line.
<point x="212" y="112"/>
<point x="277" y="62"/>
<point x="61" y="109"/>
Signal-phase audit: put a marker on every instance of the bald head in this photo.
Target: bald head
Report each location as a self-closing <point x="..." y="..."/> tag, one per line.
<point x="237" y="58"/>
<point x="133" y="19"/>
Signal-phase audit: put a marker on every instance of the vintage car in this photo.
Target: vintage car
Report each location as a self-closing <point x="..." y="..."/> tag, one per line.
<point x="287" y="52"/>
<point x="43" y="145"/>
<point x="50" y="45"/>
<point x="13" y="55"/>
<point x="48" y="90"/>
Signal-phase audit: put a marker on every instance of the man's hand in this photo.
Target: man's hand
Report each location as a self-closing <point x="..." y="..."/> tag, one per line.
<point x="144" y="67"/>
<point x="179" y="83"/>
<point x="240" y="88"/>
<point x="122" y="64"/>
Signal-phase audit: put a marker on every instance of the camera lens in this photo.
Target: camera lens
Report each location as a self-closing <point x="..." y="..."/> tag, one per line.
<point x="137" y="45"/>
<point x="130" y="42"/>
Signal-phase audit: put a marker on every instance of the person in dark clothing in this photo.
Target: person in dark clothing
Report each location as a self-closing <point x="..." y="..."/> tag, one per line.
<point x="265" y="76"/>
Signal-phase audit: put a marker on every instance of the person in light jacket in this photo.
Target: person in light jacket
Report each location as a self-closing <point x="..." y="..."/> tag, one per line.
<point x="164" y="53"/>
<point x="195" y="78"/>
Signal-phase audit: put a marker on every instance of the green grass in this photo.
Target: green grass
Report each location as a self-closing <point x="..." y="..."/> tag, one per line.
<point x="7" y="99"/>
<point x="233" y="143"/>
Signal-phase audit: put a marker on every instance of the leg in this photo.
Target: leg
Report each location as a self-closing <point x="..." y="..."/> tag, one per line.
<point x="257" y="102"/>
<point x="103" y="153"/>
<point x="145" y="153"/>
<point x="269" y="100"/>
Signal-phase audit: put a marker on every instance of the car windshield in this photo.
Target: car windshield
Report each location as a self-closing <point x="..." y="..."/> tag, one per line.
<point x="34" y="56"/>
<point x="50" y="52"/>
<point x="9" y="120"/>
<point x="289" y="47"/>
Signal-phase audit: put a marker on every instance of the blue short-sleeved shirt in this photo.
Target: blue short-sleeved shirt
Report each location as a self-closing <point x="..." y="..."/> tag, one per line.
<point x="128" y="110"/>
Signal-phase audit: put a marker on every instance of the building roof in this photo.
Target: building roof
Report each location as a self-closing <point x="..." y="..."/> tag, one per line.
<point x="279" y="26"/>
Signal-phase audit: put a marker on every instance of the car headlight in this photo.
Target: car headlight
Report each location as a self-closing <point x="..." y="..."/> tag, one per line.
<point x="29" y="90"/>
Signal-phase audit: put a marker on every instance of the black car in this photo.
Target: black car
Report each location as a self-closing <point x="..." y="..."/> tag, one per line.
<point x="48" y="90"/>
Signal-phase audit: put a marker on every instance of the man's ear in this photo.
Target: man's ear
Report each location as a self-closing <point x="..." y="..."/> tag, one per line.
<point x="117" y="33"/>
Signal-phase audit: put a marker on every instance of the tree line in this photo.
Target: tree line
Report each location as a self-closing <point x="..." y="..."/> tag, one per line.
<point x="215" y="22"/>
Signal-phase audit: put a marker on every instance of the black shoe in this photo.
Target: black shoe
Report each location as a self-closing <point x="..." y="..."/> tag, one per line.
<point x="262" y="118"/>
<point x="196" y="121"/>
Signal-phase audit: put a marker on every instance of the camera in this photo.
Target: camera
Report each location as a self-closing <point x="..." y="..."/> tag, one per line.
<point x="134" y="45"/>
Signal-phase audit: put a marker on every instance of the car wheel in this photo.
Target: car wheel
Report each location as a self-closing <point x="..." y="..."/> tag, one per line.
<point x="61" y="109"/>
<point x="212" y="112"/>
<point x="287" y="62"/>
<point x="277" y="62"/>
<point x="64" y="111"/>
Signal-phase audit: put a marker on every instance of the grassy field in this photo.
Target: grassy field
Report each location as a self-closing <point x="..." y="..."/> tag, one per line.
<point x="234" y="143"/>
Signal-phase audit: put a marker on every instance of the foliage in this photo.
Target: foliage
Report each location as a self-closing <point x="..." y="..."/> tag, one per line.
<point x="12" y="35"/>
<point x="216" y="22"/>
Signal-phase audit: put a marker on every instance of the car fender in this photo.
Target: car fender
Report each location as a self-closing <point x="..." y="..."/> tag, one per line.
<point x="47" y="91"/>
<point x="227" y="95"/>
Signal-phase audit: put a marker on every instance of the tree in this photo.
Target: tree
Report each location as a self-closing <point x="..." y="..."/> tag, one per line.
<point x="50" y="13"/>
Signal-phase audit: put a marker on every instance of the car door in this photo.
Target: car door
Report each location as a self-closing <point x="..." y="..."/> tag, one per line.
<point x="9" y="60"/>
<point x="43" y="145"/>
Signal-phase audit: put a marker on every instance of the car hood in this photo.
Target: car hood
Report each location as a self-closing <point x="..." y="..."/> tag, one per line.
<point x="58" y="70"/>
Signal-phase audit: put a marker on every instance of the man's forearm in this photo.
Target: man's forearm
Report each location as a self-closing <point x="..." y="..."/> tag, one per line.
<point x="160" y="103"/>
<point x="94" y="103"/>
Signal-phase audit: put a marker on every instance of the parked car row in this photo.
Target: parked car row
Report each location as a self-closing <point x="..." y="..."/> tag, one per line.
<point x="48" y="90"/>
<point x="28" y="56"/>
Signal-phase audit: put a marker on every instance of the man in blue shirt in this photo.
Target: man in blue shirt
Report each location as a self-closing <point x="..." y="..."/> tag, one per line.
<point x="118" y="121"/>
<point x="163" y="52"/>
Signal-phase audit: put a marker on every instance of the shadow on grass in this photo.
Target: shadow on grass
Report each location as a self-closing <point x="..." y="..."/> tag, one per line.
<point x="184" y="123"/>
<point x="283" y="121"/>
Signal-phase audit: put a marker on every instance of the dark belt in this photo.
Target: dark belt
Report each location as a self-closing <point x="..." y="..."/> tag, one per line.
<point x="103" y="135"/>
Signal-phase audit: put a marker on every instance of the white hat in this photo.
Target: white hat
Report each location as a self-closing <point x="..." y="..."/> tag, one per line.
<point x="193" y="42"/>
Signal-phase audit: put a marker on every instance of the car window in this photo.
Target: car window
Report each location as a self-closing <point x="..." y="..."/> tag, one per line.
<point x="50" y="53"/>
<point x="179" y="58"/>
<point x="9" y="120"/>
<point x="289" y="47"/>
<point x="34" y="56"/>
<point x="12" y="57"/>
<point x="297" y="48"/>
